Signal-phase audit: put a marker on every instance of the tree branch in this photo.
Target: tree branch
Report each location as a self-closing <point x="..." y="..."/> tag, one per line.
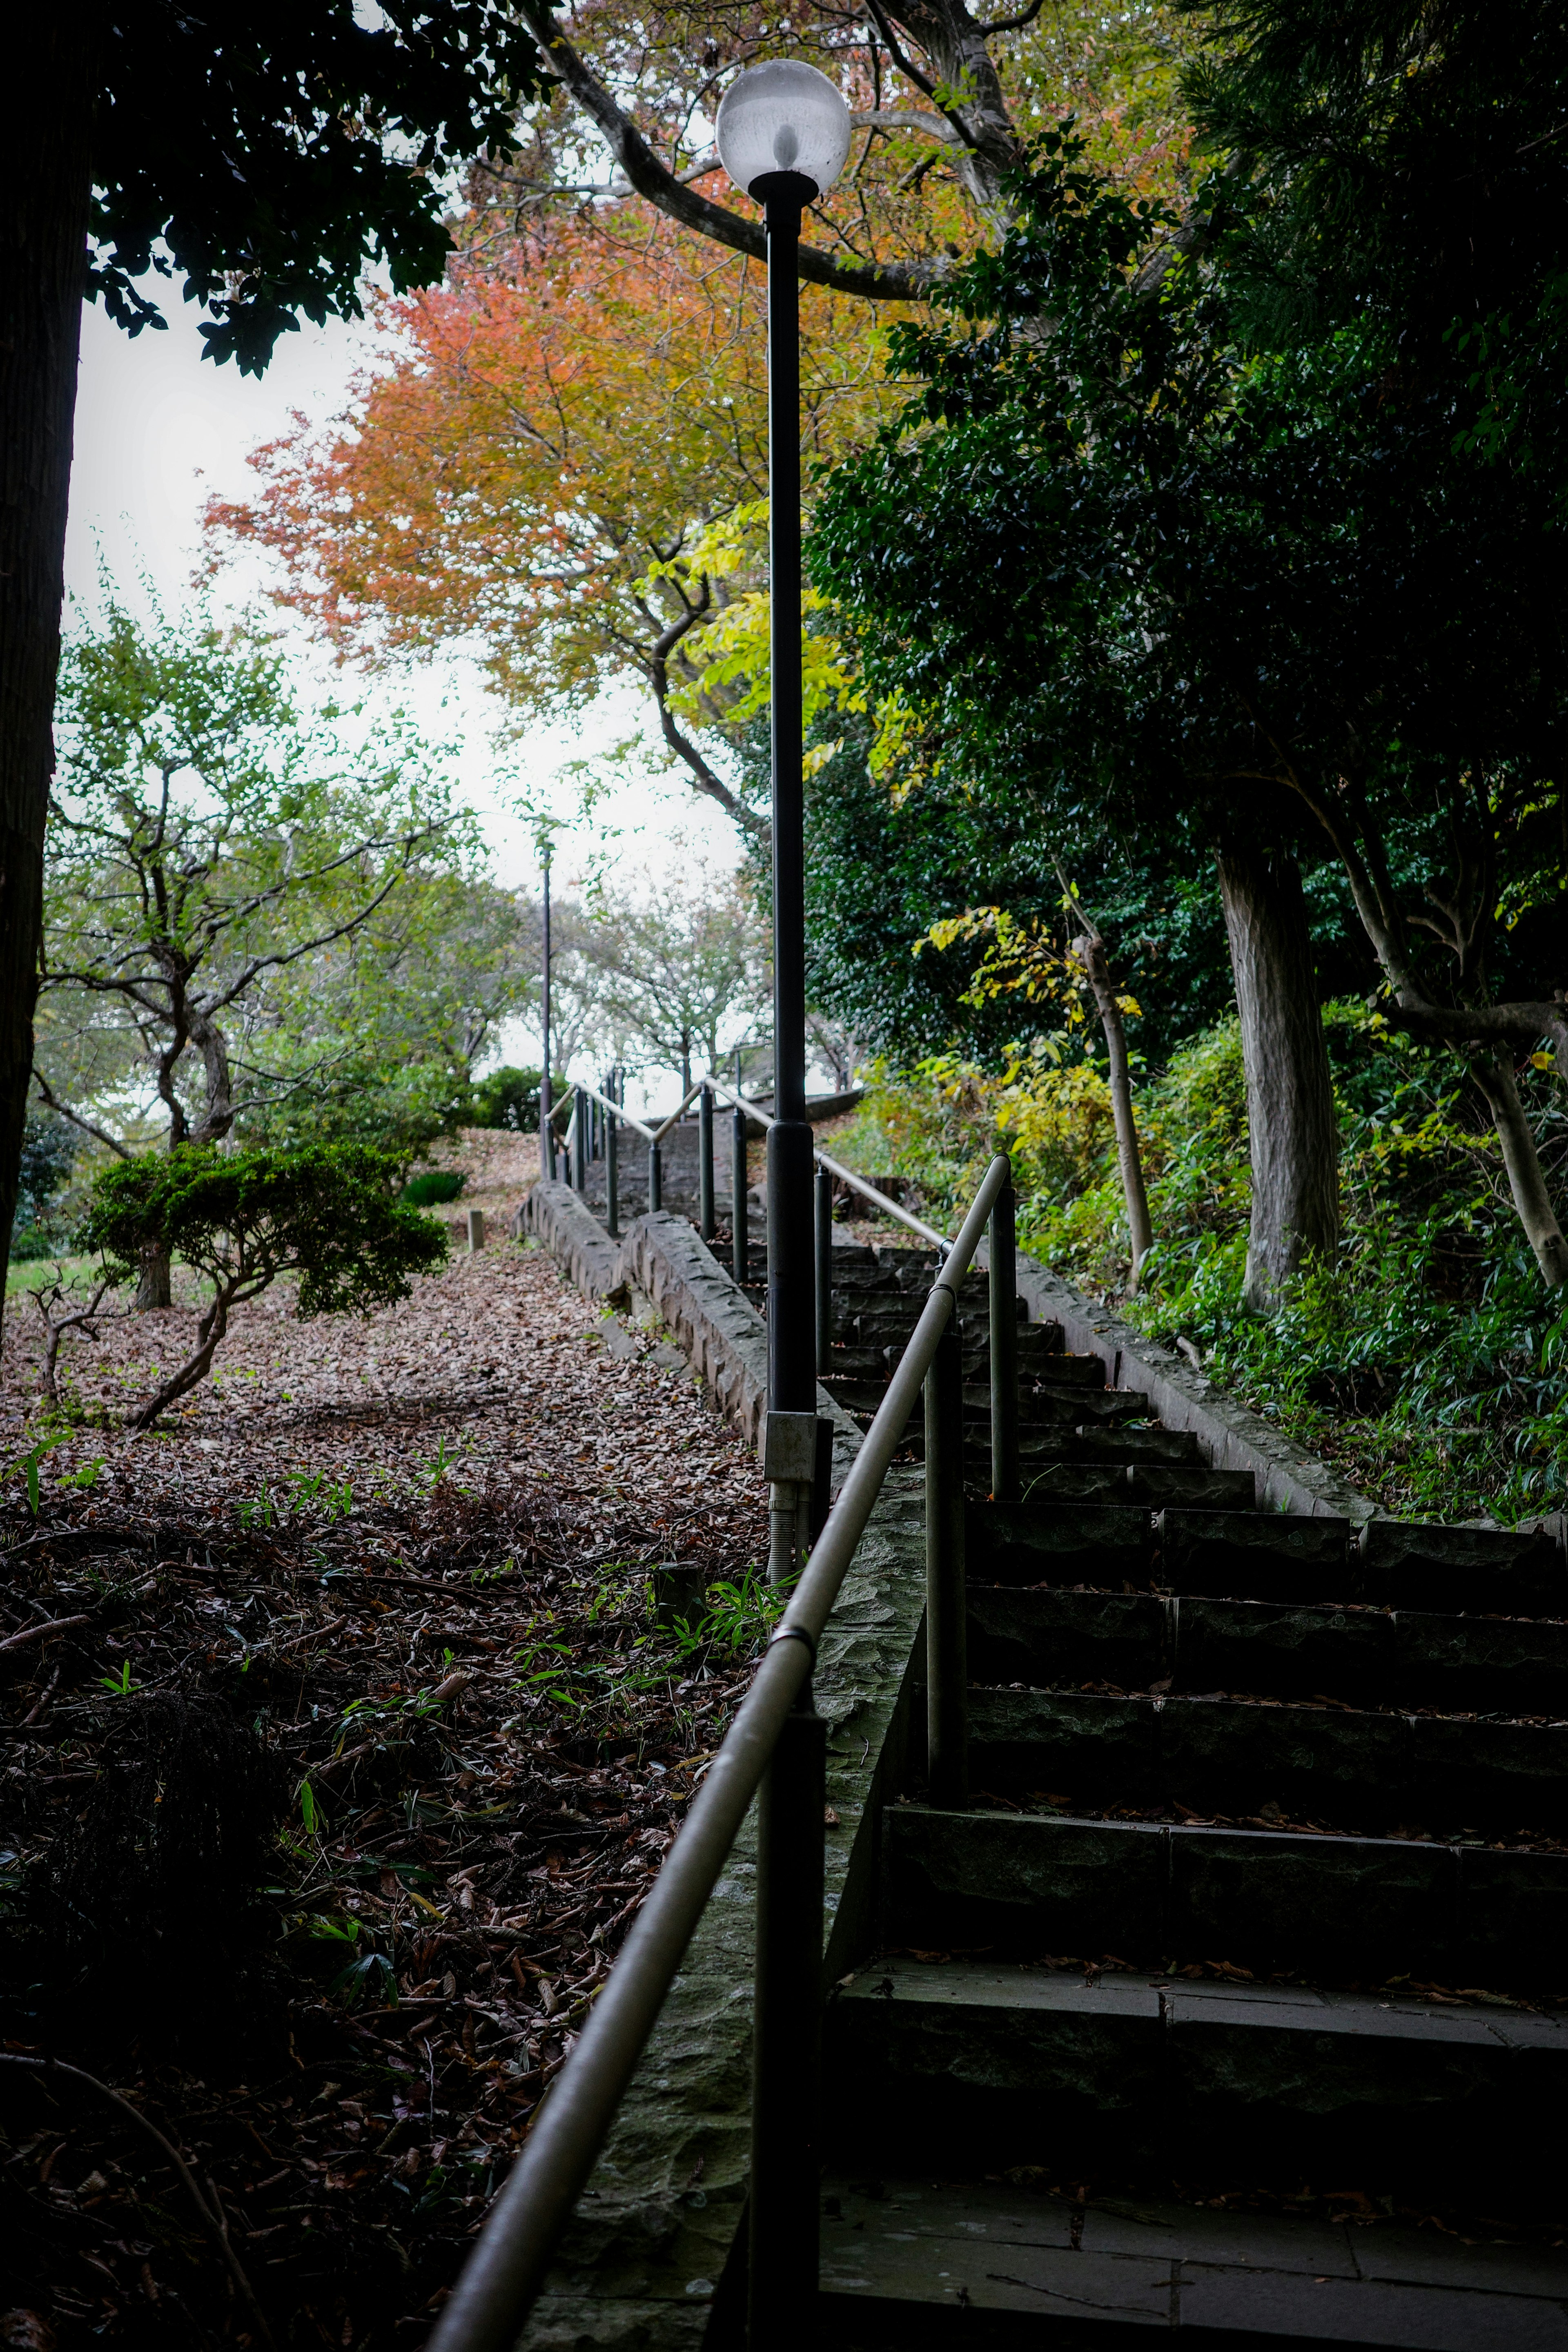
<point x="75" y="1119"/>
<point x="874" y="281"/>
<point x="1013" y="23"/>
<point x="708" y="781"/>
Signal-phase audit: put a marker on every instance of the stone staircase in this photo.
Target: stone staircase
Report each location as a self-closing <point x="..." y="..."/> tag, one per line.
<point x="1230" y="2002"/>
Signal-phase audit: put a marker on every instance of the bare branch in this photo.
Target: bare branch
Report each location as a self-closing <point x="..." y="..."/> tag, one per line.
<point x="874" y="281"/>
<point x="75" y="1119"/>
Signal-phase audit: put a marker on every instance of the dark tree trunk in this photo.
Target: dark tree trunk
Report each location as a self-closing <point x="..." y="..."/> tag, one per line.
<point x="1293" y="1133"/>
<point x="45" y="168"/>
<point x="153" y="1281"/>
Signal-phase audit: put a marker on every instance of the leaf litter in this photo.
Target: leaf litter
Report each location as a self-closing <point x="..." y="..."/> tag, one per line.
<point x="324" y="1818"/>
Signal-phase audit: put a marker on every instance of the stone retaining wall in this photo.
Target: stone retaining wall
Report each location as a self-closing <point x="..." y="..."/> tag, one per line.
<point x="574" y="1238"/>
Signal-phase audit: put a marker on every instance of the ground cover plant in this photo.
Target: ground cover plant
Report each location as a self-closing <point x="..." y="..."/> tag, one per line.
<point x="1423" y="1357"/>
<point x="343" y="1736"/>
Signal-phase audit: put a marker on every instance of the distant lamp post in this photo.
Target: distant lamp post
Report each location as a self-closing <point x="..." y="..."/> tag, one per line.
<point x="547" y="1140"/>
<point x="783" y="135"/>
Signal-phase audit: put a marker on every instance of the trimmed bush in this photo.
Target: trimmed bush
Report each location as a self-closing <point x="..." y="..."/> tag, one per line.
<point x="432" y="1186"/>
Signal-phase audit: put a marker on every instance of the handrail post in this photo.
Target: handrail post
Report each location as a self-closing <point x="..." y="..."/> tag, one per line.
<point x="1004" y="1349"/>
<point x="580" y="1141"/>
<point x="947" y="1667"/>
<point x="656" y="1178"/>
<point x="704" y="1163"/>
<point x="824" y="1239"/>
<point x="611" y="1176"/>
<point x="739" y="1264"/>
<point x="786" y="2063"/>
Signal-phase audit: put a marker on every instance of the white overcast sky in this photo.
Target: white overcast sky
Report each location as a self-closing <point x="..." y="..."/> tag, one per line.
<point x="159" y="430"/>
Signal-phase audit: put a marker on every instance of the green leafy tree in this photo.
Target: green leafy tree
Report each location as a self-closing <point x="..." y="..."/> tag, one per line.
<point x="243" y="911"/>
<point x="1274" y="600"/>
<point x="265" y="156"/>
<point x="327" y="1213"/>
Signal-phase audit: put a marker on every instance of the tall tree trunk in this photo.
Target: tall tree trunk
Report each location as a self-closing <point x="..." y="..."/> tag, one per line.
<point x="1089" y="951"/>
<point x="1293" y="1133"/>
<point x="44" y="170"/>
<point x="1526" y="1177"/>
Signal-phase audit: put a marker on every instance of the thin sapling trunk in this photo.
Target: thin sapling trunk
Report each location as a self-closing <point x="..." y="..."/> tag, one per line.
<point x="1292" y="1128"/>
<point x="1089" y="952"/>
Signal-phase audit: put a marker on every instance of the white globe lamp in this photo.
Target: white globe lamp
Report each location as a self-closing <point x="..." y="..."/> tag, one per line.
<point x="783" y="116"/>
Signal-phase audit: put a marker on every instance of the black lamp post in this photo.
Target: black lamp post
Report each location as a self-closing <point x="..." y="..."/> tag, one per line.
<point x="547" y="1140"/>
<point x="783" y="135"/>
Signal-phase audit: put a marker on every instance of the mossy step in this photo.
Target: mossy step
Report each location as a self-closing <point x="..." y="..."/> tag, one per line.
<point x="1338" y="1910"/>
<point x="1231" y="2084"/>
<point x="1365" y="1656"/>
<point x="910" y="2262"/>
<point x="1348" y="1769"/>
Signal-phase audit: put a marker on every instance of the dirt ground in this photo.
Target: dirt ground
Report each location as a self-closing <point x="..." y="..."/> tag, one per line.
<point x="327" y="1803"/>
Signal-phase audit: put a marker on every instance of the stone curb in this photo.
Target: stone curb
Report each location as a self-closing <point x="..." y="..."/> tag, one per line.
<point x="650" y="2261"/>
<point x="1234" y="1438"/>
<point x="574" y="1238"/>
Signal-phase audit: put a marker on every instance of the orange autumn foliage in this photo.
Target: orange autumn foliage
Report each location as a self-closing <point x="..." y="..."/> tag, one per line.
<point x="560" y="415"/>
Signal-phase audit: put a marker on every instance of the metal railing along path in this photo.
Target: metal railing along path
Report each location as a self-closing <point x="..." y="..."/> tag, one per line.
<point x="777" y="1744"/>
<point x="716" y="1088"/>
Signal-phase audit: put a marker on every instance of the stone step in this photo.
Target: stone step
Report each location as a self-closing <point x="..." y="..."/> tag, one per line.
<point x="1414" y="1564"/>
<point x="1337" y="1910"/>
<point x="1255" y="1556"/>
<point x="875" y="1361"/>
<point x="863" y="1390"/>
<point x="1264" y="1556"/>
<point x="916" y="2261"/>
<point x="1365" y="1655"/>
<point x="1041" y="1409"/>
<point x="1225" y="2084"/>
<point x="1150" y="1487"/>
<point x="1348" y="1769"/>
<point x="1058" y="1543"/>
<point x="856" y="1326"/>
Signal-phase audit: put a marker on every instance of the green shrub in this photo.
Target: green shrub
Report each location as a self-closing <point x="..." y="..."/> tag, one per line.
<point x="1426" y="1361"/>
<point x="510" y="1097"/>
<point x="326" y="1212"/>
<point x="432" y="1186"/>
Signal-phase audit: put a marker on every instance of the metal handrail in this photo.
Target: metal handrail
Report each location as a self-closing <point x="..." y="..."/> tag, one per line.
<point x="861" y="1184"/>
<point x="867" y="1191"/>
<point x="680" y="1109"/>
<point x="499" y="2283"/>
<point x="623" y="1115"/>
